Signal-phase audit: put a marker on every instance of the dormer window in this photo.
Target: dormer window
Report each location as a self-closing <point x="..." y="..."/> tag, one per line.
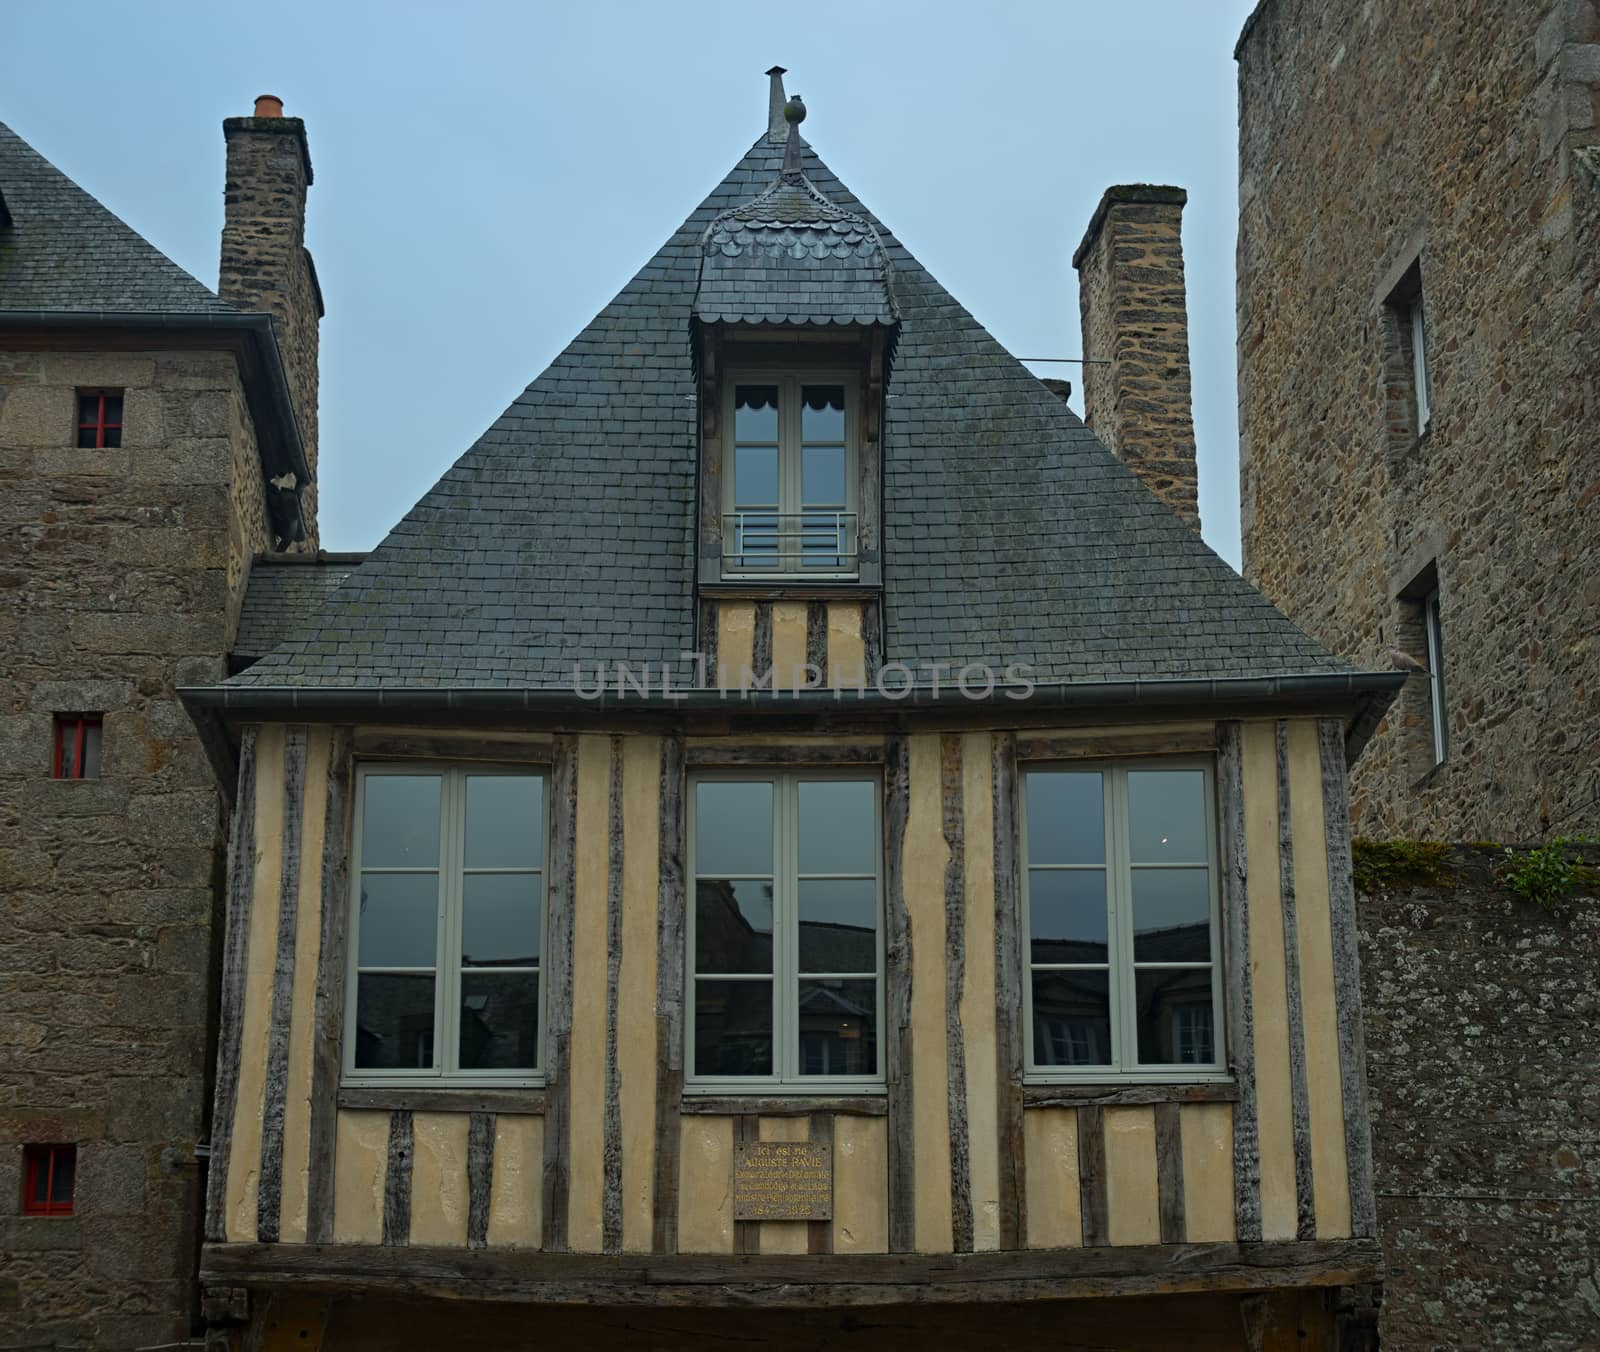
<point x="790" y="500"/>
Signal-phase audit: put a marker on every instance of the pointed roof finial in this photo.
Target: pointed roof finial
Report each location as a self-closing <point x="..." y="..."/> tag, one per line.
<point x="794" y="113"/>
<point x="777" y="129"/>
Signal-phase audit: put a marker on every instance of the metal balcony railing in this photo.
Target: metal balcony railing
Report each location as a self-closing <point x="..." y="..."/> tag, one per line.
<point x="817" y="542"/>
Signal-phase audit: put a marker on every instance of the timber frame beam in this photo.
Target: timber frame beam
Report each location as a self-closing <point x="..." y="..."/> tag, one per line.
<point x="781" y="1280"/>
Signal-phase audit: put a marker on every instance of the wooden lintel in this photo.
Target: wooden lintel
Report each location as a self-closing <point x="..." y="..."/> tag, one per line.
<point x="786" y="1105"/>
<point x="381" y="745"/>
<point x="430" y="1099"/>
<point x="1087" y="1095"/>
<point x="776" y="753"/>
<point x="793" y="1280"/>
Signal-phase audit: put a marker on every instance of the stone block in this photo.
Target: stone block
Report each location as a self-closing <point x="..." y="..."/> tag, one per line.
<point x="111" y="1179"/>
<point x="97" y="370"/>
<point x="40" y="416"/>
<point x="40" y="1234"/>
<point x="143" y="425"/>
<point x="82" y="696"/>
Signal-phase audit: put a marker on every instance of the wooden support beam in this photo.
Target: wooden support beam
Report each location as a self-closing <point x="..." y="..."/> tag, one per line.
<point x="671" y="913"/>
<point x="560" y="892"/>
<point x="1084" y="1095"/>
<point x="611" y="1145"/>
<point x="953" y="823"/>
<point x="1092" y="1198"/>
<point x="397" y="1182"/>
<point x="897" y="1003"/>
<point x="1169" y="1172"/>
<point x="1299" y="1092"/>
<point x="1236" y="968"/>
<point x="480" y="1177"/>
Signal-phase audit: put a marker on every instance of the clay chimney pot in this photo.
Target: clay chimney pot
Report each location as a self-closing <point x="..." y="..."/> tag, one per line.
<point x="268" y="105"/>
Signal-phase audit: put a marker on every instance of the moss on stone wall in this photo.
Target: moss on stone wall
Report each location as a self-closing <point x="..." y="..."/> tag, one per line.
<point x="1383" y="865"/>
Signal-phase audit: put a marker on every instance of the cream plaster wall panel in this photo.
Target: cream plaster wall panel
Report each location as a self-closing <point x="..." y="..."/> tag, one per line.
<point x="736" y="640"/>
<point x="516" y="1186"/>
<point x="847" y="654"/>
<point x="1133" y="1200"/>
<point x="439" y="1178"/>
<point x="261" y="960"/>
<point x="788" y="644"/>
<point x="784" y="1236"/>
<point x="705" y="1184"/>
<point x="1207" y="1132"/>
<point x="978" y="994"/>
<point x="586" y="1078"/>
<point x="1269" y="992"/>
<point x="1055" y="1207"/>
<point x="1318" y="1003"/>
<point x="361" y="1163"/>
<point x="860" y="1184"/>
<point x="924" y="858"/>
<point x="307" y="949"/>
<point x="636" y="986"/>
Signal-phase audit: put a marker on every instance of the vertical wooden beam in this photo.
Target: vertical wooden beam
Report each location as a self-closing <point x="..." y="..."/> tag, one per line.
<point x="1092" y="1176"/>
<point x="817" y="642"/>
<point x="269" y="1183"/>
<point x="952" y="811"/>
<point x="746" y="1234"/>
<point x="819" y="1234"/>
<point x="872" y="638"/>
<point x="611" y="1197"/>
<point x="1008" y="978"/>
<point x="397" y="1181"/>
<point x="1169" y="1172"/>
<point x="897" y="1002"/>
<point x="327" y="1038"/>
<point x="761" y="645"/>
<point x="558" y="966"/>
<point x="707" y="643"/>
<point x="480" y="1177"/>
<point x="670" y="960"/>
<point x="1300" y="1098"/>
<point x="241" y="874"/>
<point x="1241" y="1039"/>
<point x="1347" y="979"/>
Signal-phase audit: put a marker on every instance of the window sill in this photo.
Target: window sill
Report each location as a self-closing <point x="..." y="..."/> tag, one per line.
<point x="1079" y="1094"/>
<point x="873" y="1102"/>
<point x="443" y="1098"/>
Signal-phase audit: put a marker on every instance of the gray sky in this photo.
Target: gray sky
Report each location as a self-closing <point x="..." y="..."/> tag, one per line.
<point x="489" y="175"/>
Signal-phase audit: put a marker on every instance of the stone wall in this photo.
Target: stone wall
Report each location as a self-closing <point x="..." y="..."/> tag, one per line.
<point x="1484" y="1082"/>
<point x="121" y="570"/>
<point x="1372" y="137"/>
<point x="1134" y="312"/>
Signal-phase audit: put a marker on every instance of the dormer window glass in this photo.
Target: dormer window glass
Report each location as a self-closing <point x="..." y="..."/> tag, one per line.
<point x="789" y="501"/>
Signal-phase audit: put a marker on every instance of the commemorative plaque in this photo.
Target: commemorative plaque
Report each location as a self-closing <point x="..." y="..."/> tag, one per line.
<point x="782" y="1181"/>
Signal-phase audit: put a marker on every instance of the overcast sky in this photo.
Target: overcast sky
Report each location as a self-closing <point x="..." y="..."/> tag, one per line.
<point x="489" y="175"/>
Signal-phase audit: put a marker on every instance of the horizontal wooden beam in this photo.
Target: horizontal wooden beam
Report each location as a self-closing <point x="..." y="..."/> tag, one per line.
<point x="1129" y="742"/>
<point x="414" y="745"/>
<point x="427" y="1099"/>
<point x="795" y="753"/>
<point x="786" y="1105"/>
<point x="797" y="1280"/>
<point x="1087" y="1095"/>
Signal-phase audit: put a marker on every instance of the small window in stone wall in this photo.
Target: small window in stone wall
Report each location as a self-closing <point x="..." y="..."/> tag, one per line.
<point x="77" y="746"/>
<point x="99" y="418"/>
<point x="1407" y="388"/>
<point x="49" y="1173"/>
<point x="1425" y="713"/>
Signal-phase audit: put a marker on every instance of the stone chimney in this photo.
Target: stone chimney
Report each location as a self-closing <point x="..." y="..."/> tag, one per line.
<point x="1136" y="339"/>
<point x="265" y="264"/>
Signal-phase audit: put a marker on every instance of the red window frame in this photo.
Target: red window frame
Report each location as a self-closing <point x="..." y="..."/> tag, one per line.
<point x="102" y="432"/>
<point x="43" y="1163"/>
<point x="63" y="766"/>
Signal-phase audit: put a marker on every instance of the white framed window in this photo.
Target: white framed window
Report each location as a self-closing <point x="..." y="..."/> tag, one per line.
<point x="785" y="944"/>
<point x="789" y="483"/>
<point x="1434" y="628"/>
<point x="447" y="922"/>
<point x="1419" y="360"/>
<point x="1120" y="906"/>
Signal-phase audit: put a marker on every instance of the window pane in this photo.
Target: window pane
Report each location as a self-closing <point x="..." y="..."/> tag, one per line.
<point x="838" y="826"/>
<point x="499" y="920"/>
<point x="394" y="1021"/>
<point x="499" y="1020"/>
<point x="87" y="436"/>
<point x="732" y="926"/>
<point x="838" y="1027"/>
<point x="1067" y="915"/>
<point x="400" y="823"/>
<point x="822" y="477"/>
<point x="755" y="478"/>
<point x="822" y="413"/>
<point x="838" y="926"/>
<point x="1171" y="915"/>
<point x="1167" y="816"/>
<point x="88" y="408"/>
<point x="1175" y="1017"/>
<point x="113" y="437"/>
<point x="113" y="408"/>
<point x="505" y="821"/>
<point x="732" y="1027"/>
<point x="1066" y="818"/>
<point x="755" y="413"/>
<point x="56" y="1172"/>
<point x="733" y="828"/>
<point x="91" y="750"/>
<point x="1071" y="1019"/>
<point x="399" y="919"/>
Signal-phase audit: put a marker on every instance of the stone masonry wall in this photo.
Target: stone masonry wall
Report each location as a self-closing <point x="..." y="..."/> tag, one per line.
<point x="1133" y="308"/>
<point x="1484" y="1076"/>
<point x="121" y="569"/>
<point x="1375" y="136"/>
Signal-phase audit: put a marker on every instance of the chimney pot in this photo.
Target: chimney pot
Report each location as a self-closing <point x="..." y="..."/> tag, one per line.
<point x="268" y="105"/>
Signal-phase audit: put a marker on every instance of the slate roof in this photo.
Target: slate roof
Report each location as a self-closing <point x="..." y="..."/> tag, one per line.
<point x="565" y="533"/>
<point x="793" y="257"/>
<point x="65" y="252"/>
<point x="283" y="593"/>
